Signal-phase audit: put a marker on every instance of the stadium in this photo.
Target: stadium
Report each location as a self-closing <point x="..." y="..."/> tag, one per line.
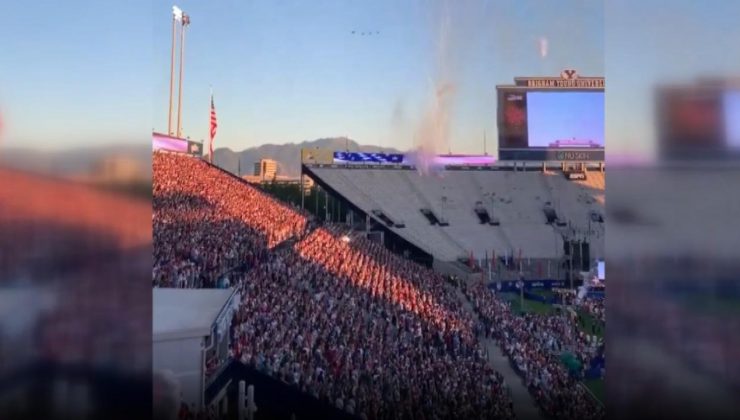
<point x="459" y="286"/>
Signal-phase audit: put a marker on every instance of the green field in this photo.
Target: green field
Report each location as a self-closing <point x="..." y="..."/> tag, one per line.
<point x="547" y="294"/>
<point x="596" y="386"/>
<point x="529" y="305"/>
<point x="588" y="321"/>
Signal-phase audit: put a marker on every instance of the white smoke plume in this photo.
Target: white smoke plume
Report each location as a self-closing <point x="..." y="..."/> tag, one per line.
<point x="457" y="28"/>
<point x="543" y="44"/>
<point x="398" y="118"/>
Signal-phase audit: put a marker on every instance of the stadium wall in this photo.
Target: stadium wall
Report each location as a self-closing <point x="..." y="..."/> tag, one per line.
<point x="276" y="399"/>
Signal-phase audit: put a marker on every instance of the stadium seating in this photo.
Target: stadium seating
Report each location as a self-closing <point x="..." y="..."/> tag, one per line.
<point x="207" y="221"/>
<point x="515" y="199"/>
<point x="325" y="311"/>
<point x="536" y="344"/>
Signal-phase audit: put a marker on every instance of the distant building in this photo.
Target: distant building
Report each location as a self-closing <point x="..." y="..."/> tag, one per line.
<point x="265" y="169"/>
<point x="280" y="179"/>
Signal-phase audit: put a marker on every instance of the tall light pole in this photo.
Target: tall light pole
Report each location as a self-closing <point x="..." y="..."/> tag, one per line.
<point x="185" y="23"/>
<point x="176" y="17"/>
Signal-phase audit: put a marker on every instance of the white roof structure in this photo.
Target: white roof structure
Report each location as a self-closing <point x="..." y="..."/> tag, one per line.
<point x="184" y="313"/>
<point x="516" y="199"/>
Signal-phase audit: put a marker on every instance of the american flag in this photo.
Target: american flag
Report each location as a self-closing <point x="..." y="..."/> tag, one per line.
<point x="214" y="125"/>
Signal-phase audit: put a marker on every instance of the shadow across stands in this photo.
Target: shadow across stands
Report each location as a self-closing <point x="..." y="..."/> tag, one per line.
<point x="332" y="298"/>
<point x="338" y="319"/>
<point x="274" y="399"/>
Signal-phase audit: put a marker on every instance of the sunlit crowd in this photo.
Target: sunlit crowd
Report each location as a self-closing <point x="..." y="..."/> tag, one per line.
<point x="345" y="320"/>
<point x="348" y="322"/>
<point x="206" y="222"/>
<point x="534" y="344"/>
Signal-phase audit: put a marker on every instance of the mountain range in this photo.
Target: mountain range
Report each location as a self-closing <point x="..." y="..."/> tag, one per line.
<point x="80" y="160"/>
<point x="287" y="155"/>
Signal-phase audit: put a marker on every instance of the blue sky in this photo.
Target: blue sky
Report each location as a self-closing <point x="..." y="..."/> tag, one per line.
<point x="564" y="115"/>
<point x="97" y="72"/>
<point x="75" y="72"/>
<point x="92" y="73"/>
<point x="291" y="71"/>
<point x="658" y="41"/>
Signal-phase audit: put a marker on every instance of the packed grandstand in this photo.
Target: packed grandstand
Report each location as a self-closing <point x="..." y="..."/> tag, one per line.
<point x="339" y="317"/>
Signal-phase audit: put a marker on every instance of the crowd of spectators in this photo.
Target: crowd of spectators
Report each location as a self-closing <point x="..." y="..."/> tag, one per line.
<point x="593" y="306"/>
<point x="342" y="319"/>
<point x="534" y="344"/>
<point x="345" y="320"/>
<point x="206" y="222"/>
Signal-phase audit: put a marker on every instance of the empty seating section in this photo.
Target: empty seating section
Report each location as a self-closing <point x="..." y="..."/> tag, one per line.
<point x="515" y="199"/>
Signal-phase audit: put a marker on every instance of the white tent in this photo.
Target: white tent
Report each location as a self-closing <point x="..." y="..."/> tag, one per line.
<point x="187" y="323"/>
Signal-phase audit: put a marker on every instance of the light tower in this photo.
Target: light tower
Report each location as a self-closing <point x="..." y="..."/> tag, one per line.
<point x="185" y="22"/>
<point x="176" y="17"/>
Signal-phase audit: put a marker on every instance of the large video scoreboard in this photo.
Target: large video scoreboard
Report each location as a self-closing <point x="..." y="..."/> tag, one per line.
<point x="552" y="118"/>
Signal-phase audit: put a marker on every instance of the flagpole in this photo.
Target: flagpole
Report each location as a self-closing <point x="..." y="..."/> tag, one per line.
<point x="210" y="132"/>
<point x="185" y="23"/>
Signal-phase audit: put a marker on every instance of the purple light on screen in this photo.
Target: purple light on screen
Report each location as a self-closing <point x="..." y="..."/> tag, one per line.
<point x="162" y="142"/>
<point x="464" y="160"/>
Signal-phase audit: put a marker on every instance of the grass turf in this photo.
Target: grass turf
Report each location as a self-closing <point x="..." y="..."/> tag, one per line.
<point x="529" y="305"/>
<point x="547" y="294"/>
<point x="588" y="321"/>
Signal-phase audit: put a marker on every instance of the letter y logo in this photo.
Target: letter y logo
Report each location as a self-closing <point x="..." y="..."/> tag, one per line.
<point x="568" y="74"/>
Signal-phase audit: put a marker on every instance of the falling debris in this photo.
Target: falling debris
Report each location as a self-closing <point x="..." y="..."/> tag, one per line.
<point x="543" y="44"/>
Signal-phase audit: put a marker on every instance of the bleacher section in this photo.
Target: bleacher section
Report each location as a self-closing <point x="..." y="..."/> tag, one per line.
<point x="459" y="211"/>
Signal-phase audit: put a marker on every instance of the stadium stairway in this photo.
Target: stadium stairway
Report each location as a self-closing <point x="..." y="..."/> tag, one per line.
<point x="487" y="198"/>
<point x="525" y="407"/>
<point x="428" y="204"/>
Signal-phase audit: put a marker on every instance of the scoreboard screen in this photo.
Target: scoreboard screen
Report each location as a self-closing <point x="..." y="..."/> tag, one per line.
<point x="552" y="119"/>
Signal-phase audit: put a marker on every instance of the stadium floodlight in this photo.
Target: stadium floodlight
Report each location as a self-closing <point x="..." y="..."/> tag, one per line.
<point x="176" y="17"/>
<point x="185" y="21"/>
<point x="177" y="13"/>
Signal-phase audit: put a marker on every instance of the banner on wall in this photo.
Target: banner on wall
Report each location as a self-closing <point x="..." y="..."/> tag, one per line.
<point x="511" y="286"/>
